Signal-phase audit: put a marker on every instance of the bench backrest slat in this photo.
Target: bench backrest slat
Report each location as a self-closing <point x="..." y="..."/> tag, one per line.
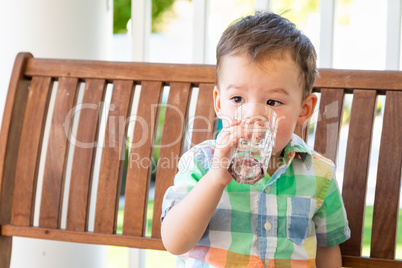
<point x="53" y="178"/>
<point x="170" y="146"/>
<point x="386" y="205"/>
<point x="84" y="142"/>
<point x="122" y="70"/>
<point x="138" y="174"/>
<point x="112" y="158"/>
<point x="204" y="119"/>
<point x="14" y="111"/>
<point x="356" y="165"/>
<point x="329" y="122"/>
<point x="359" y="79"/>
<point x="28" y="155"/>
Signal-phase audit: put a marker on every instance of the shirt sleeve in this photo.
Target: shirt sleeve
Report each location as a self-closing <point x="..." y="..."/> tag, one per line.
<point x="190" y="171"/>
<point x="331" y="222"/>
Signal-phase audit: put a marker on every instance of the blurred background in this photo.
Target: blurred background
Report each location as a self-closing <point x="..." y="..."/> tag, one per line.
<point x="347" y="34"/>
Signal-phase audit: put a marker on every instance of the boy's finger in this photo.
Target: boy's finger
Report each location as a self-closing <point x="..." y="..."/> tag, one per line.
<point x="235" y="122"/>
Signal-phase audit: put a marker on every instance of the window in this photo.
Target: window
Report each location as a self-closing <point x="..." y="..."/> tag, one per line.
<point x="360" y="37"/>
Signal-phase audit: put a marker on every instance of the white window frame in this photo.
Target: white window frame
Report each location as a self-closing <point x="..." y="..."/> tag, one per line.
<point x="141" y="30"/>
<point x="393" y="37"/>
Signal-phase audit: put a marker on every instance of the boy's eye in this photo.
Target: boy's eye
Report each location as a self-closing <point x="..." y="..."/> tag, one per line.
<point x="238" y="99"/>
<point x="273" y="102"/>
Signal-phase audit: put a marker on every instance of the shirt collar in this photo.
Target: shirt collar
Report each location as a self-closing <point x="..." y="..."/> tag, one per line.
<point x="297" y="146"/>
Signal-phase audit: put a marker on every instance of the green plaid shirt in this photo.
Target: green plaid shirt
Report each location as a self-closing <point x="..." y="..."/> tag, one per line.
<point x="277" y="222"/>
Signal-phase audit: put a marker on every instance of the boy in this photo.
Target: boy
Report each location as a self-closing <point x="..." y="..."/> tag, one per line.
<point x="294" y="216"/>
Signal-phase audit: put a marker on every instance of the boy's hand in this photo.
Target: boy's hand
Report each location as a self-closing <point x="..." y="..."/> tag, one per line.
<point x="225" y="142"/>
<point x="186" y="222"/>
<point x="227" y="139"/>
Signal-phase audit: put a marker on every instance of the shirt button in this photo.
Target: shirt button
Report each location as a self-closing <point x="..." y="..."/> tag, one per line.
<point x="268" y="226"/>
<point x="267" y="189"/>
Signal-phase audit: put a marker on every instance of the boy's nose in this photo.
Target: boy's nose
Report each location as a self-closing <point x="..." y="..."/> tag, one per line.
<point x="256" y="109"/>
<point x="253" y="110"/>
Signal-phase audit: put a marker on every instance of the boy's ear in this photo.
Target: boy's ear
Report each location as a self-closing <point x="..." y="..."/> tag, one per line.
<point x="307" y="109"/>
<point x="217" y="101"/>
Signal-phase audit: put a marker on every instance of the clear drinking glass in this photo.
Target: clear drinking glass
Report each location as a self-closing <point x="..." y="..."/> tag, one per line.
<point x="250" y="158"/>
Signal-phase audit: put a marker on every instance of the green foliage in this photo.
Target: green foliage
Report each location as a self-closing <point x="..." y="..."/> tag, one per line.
<point x="346" y="114"/>
<point x="379" y="106"/>
<point x="158" y="138"/>
<point x="122" y="14"/>
<point x="296" y="11"/>
<point x="159" y="8"/>
<point x="343" y="10"/>
<point x="368" y="223"/>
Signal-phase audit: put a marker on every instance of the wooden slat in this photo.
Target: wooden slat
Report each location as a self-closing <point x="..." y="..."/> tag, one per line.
<point x="5" y="250"/>
<point x="204" y="120"/>
<point x="329" y="78"/>
<point x="302" y="131"/>
<point x="10" y="133"/>
<point x="56" y="156"/>
<point x="81" y="237"/>
<point x="112" y="160"/>
<point x="329" y="123"/>
<point x="386" y="203"/>
<point x="359" y="79"/>
<point x="140" y="160"/>
<point x="362" y="262"/>
<point x="171" y="146"/>
<point x="9" y="145"/>
<point x="29" y="152"/>
<point x="356" y="166"/>
<point x="84" y="151"/>
<point x="122" y="70"/>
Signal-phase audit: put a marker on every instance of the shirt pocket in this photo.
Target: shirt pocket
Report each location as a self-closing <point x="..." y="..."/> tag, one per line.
<point x="300" y="211"/>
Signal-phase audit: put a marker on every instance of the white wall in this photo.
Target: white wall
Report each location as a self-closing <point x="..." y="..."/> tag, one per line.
<point x="58" y="29"/>
<point x="53" y="28"/>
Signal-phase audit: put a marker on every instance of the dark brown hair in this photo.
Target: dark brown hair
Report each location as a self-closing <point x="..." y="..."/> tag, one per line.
<point x="269" y="35"/>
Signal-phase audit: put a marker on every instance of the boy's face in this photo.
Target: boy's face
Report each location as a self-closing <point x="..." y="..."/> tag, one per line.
<point x="273" y="82"/>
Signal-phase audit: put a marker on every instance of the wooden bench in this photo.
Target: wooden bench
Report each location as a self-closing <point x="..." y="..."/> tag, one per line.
<point x="24" y="136"/>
